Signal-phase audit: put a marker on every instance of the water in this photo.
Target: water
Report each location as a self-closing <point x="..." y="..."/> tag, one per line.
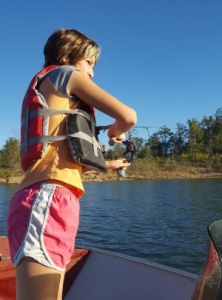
<point x="163" y="221"/>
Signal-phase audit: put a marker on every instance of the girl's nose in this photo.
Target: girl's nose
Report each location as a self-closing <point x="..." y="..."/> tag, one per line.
<point x="91" y="73"/>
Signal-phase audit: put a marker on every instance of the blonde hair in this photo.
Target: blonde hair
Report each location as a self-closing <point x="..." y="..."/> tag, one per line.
<point x="68" y="47"/>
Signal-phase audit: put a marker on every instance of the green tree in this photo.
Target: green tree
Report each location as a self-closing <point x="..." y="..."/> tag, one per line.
<point x="217" y="132"/>
<point x="208" y="123"/>
<point x="218" y="114"/>
<point x="195" y="140"/>
<point x="154" y="145"/>
<point x="161" y="142"/>
<point x="180" y="140"/>
<point x="10" y="159"/>
<point x="10" y="154"/>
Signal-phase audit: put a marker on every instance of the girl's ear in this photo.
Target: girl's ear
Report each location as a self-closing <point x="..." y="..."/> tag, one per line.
<point x="65" y="61"/>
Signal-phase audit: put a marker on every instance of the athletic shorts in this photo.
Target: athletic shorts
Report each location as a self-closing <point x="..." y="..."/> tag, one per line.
<point x="43" y="221"/>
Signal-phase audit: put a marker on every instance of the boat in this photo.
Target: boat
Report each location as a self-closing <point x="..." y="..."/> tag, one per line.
<point x="102" y="275"/>
<point x="95" y="274"/>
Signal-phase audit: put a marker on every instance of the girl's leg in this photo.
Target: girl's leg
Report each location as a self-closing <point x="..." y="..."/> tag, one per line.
<point x="37" y="282"/>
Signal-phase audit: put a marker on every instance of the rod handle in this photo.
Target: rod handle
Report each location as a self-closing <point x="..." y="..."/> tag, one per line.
<point x="112" y="141"/>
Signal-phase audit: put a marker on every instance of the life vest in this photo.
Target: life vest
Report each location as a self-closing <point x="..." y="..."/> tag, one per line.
<point x="35" y="118"/>
<point x="83" y="141"/>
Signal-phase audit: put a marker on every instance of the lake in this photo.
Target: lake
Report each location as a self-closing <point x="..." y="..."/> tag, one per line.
<point x="163" y="221"/>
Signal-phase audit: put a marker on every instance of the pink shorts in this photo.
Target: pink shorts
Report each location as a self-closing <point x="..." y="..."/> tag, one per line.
<point x="43" y="221"/>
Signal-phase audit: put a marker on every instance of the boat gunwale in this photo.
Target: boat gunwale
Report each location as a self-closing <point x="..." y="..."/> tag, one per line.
<point x="138" y="260"/>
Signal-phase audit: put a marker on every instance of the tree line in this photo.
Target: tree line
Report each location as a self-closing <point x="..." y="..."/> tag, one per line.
<point x="196" y="143"/>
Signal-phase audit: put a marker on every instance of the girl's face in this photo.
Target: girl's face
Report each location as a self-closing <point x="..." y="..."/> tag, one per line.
<point x="86" y="66"/>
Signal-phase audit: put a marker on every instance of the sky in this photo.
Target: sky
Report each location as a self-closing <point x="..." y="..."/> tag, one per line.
<point x="161" y="57"/>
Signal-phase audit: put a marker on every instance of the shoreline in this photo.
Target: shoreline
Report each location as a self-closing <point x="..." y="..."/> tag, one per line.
<point x="160" y="175"/>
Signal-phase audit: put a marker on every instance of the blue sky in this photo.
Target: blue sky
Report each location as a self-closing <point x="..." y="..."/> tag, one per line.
<point x="162" y="57"/>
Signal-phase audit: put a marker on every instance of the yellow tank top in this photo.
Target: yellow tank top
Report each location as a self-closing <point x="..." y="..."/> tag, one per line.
<point x="57" y="164"/>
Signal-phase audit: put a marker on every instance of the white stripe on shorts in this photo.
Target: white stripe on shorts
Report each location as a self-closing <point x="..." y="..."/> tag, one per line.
<point x="33" y="244"/>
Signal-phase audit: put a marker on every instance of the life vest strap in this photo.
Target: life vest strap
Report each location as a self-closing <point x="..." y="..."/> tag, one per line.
<point x="91" y="139"/>
<point x="50" y="139"/>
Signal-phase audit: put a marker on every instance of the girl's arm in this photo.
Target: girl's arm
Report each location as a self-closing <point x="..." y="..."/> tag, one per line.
<point x="84" y="88"/>
<point x="111" y="165"/>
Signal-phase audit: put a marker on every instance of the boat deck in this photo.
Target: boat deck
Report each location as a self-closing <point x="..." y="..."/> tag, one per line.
<point x="7" y="271"/>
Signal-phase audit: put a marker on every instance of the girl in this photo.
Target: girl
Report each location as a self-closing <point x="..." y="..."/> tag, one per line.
<point x="44" y="213"/>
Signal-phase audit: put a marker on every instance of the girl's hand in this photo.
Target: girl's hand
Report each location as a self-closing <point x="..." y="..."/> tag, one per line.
<point x="115" y="135"/>
<point x="119" y="166"/>
<point x="115" y="165"/>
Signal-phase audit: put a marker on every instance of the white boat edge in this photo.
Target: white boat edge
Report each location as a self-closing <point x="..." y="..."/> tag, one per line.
<point x="109" y="275"/>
